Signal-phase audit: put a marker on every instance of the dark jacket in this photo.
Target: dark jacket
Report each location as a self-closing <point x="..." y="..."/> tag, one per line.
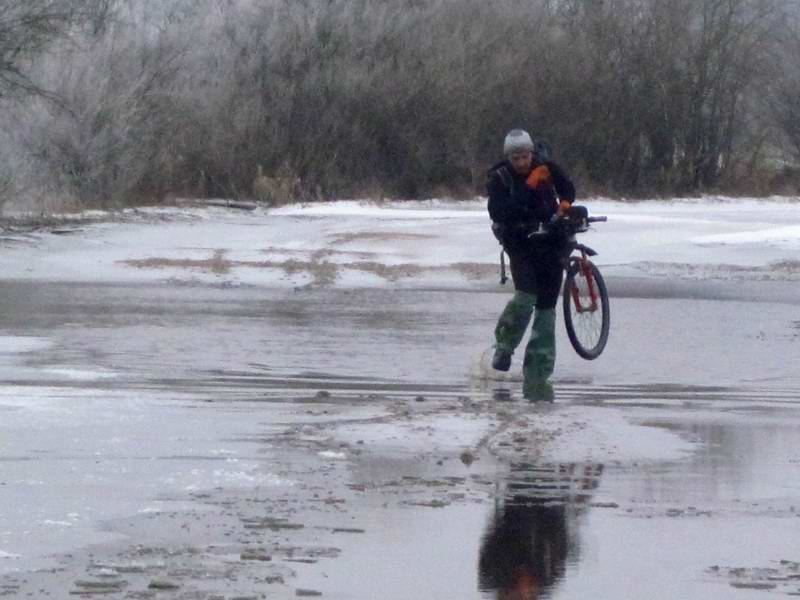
<point x="514" y="205"/>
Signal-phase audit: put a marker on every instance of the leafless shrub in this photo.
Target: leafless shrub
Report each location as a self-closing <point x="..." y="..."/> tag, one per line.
<point x="784" y="93"/>
<point x="401" y="98"/>
<point x="28" y="27"/>
<point x="279" y="189"/>
<point x="6" y="183"/>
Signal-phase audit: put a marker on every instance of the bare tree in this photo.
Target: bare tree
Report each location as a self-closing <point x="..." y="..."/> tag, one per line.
<point x="28" y="26"/>
<point x="785" y="96"/>
<point x="727" y="59"/>
<point x="405" y="98"/>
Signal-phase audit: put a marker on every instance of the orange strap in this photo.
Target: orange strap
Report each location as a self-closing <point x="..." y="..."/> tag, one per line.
<point x="539" y="176"/>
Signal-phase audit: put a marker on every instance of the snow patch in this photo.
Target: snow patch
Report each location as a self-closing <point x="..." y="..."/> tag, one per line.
<point x="12" y="344"/>
<point x="784" y="236"/>
<point x="330" y="454"/>
<point x="589" y="433"/>
<point x="81" y="375"/>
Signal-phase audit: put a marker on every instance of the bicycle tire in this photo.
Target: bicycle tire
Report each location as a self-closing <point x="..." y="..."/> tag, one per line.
<point x="587" y="333"/>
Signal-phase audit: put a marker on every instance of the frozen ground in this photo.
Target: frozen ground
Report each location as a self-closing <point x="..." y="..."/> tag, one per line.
<point x="213" y="404"/>
<point x="434" y="244"/>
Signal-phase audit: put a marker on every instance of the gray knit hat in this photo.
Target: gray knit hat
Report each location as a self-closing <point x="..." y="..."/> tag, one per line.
<point x="517" y="140"/>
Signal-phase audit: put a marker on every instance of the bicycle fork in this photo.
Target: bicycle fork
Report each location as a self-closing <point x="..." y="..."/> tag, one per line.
<point x="585" y="268"/>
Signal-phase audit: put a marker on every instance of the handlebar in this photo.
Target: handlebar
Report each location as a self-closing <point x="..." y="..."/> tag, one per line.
<point x="566" y="225"/>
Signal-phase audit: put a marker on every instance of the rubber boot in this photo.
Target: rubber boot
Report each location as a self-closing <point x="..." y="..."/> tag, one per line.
<point x="538" y="391"/>
<point x="540" y="353"/>
<point x="511" y="328"/>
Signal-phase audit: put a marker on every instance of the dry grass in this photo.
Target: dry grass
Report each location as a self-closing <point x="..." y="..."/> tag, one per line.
<point x="322" y="272"/>
<point x="787" y="266"/>
<point x="387" y="236"/>
<point x="217" y="264"/>
<point x="276" y="190"/>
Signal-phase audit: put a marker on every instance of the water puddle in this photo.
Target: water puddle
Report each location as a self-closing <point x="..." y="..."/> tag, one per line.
<point x="291" y="443"/>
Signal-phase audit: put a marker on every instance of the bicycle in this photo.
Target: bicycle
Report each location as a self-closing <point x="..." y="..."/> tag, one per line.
<point x="587" y="314"/>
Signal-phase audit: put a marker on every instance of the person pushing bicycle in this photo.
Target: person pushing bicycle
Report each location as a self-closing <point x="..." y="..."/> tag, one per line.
<point x="526" y="190"/>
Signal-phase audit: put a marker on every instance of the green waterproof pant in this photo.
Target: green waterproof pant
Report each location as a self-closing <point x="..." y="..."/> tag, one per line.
<point x="540" y="353"/>
<point x="514" y="321"/>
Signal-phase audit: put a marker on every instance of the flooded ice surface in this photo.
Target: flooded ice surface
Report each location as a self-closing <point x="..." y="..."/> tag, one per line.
<point x="405" y="244"/>
<point x="203" y="442"/>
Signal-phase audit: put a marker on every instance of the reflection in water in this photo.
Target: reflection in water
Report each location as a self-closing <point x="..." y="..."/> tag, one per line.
<point x="532" y="534"/>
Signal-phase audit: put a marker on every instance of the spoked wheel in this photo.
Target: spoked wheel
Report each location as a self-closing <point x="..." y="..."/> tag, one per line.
<point x="586" y="311"/>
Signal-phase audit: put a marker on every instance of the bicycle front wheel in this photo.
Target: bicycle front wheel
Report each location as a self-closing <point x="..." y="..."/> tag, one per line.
<point x="586" y="311"/>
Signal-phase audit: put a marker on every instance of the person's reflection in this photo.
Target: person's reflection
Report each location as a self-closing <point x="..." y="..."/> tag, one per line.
<point x="530" y="537"/>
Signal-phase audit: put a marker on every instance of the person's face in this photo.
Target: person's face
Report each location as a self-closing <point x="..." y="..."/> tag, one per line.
<point x="524" y="587"/>
<point x="521" y="162"/>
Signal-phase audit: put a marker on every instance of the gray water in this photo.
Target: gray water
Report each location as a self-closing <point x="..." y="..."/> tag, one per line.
<point x="193" y="371"/>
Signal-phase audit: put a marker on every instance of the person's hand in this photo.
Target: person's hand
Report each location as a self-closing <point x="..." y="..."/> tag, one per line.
<point x="563" y="207"/>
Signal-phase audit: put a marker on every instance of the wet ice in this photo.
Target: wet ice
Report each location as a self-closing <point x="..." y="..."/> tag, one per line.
<point x="160" y="421"/>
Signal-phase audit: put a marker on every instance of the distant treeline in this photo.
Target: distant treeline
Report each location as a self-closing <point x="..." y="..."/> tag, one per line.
<point x="112" y="102"/>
